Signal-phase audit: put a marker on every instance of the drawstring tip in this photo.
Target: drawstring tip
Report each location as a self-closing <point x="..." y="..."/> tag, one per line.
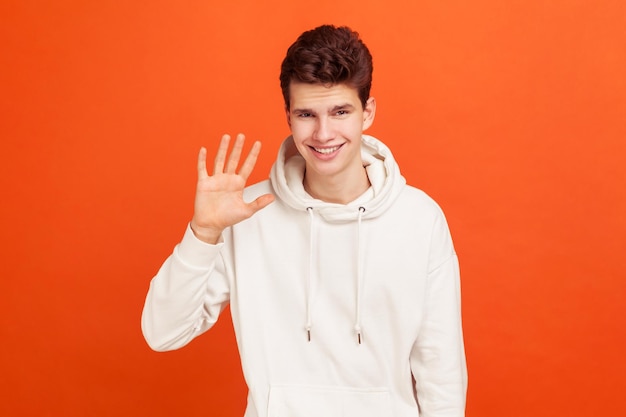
<point x="357" y="329"/>
<point x="308" y="334"/>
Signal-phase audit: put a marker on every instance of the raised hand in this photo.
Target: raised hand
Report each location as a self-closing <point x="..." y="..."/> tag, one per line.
<point x="219" y="197"/>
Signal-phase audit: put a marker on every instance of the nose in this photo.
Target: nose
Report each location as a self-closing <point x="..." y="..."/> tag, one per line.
<point x="323" y="129"/>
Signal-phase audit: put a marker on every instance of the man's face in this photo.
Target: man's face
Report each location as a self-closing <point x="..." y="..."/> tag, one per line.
<point x="326" y="124"/>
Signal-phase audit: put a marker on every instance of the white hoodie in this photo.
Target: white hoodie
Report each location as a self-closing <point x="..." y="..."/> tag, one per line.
<point x="339" y="310"/>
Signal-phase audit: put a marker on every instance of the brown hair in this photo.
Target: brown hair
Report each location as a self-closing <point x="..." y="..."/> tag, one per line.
<point x="328" y="55"/>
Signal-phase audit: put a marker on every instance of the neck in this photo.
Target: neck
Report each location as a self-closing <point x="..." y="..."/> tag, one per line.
<point x="336" y="189"/>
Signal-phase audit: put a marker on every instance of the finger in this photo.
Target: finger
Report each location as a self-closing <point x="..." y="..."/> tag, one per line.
<point x="202" y="173"/>
<point x="220" y="158"/>
<point x="235" y="154"/>
<point x="250" y="162"/>
<point x="261" y="202"/>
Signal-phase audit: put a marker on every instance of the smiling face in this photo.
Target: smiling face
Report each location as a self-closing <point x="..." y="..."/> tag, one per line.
<point x="326" y="124"/>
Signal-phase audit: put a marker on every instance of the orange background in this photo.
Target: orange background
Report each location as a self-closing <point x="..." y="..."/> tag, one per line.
<point x="511" y="114"/>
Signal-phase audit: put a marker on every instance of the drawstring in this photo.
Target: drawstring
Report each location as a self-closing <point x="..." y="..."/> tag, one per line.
<point x="310" y="274"/>
<point x="359" y="276"/>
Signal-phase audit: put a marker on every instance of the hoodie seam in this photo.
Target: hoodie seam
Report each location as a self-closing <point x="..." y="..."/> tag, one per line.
<point x="445" y="261"/>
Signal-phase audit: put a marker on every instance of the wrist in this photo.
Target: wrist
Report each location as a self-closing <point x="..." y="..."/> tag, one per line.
<point x="205" y="234"/>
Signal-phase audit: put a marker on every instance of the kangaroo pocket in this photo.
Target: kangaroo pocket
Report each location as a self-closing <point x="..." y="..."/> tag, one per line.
<point x="323" y="401"/>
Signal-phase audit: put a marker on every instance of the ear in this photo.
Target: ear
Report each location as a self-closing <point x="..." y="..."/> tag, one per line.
<point x="369" y="112"/>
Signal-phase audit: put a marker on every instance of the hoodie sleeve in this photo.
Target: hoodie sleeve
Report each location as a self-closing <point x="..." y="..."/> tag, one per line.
<point x="186" y="296"/>
<point x="438" y="356"/>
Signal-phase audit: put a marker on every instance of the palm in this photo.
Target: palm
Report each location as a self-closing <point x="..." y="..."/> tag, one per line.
<point x="219" y="197"/>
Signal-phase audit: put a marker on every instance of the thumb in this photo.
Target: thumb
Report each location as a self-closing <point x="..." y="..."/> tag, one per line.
<point x="261" y="202"/>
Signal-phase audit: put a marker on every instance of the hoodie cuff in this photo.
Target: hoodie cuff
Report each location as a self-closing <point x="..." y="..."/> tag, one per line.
<point x="195" y="252"/>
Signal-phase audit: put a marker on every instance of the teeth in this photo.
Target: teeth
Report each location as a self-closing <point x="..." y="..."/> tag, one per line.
<point x="326" y="150"/>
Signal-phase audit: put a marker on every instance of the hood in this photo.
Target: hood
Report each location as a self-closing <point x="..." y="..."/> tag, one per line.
<point x="287" y="177"/>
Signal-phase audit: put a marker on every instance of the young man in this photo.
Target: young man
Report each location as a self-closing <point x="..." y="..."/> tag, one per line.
<point x="342" y="280"/>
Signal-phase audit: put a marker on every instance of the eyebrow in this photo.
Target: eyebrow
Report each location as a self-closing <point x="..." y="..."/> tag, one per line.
<point x="345" y="106"/>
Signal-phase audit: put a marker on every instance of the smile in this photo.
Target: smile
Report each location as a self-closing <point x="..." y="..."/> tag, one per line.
<point x="326" y="151"/>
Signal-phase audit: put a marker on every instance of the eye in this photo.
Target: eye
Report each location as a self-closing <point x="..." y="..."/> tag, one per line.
<point x="342" y="113"/>
<point x="304" y="115"/>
